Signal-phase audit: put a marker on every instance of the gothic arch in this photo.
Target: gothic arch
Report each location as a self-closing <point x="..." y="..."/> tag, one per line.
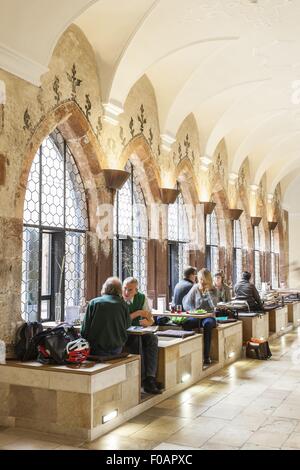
<point x="140" y="154"/>
<point x="89" y="157"/>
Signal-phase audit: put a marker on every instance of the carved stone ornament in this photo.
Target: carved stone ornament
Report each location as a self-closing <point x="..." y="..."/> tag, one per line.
<point x="168" y="195"/>
<point x="115" y="179"/>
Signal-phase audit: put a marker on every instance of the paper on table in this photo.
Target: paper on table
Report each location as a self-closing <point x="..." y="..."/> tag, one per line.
<point x="150" y="329"/>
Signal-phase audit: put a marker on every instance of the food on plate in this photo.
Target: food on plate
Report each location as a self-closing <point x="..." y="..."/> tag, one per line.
<point x="199" y="311"/>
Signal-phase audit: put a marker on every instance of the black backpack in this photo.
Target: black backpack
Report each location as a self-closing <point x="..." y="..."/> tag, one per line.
<point x="52" y="343"/>
<point x="25" y="348"/>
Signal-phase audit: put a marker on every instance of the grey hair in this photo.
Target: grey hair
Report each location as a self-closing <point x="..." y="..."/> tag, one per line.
<point x="112" y="286"/>
<point x="130" y="280"/>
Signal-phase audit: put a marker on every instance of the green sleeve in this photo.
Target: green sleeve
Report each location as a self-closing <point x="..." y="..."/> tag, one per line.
<point x="127" y="315"/>
<point x="85" y="328"/>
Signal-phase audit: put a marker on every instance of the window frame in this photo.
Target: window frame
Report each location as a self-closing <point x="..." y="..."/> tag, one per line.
<point x="210" y="247"/>
<point x="237" y="250"/>
<point x="274" y="261"/>
<point x="58" y="234"/>
<point x="177" y="245"/>
<point x="257" y="256"/>
<point x="121" y="239"/>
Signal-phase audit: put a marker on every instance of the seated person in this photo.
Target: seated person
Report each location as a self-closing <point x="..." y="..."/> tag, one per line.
<point x="185" y="285"/>
<point x="106" y="320"/>
<point x="245" y="290"/>
<point x="202" y="296"/>
<point x="140" y="314"/>
<point x="223" y="290"/>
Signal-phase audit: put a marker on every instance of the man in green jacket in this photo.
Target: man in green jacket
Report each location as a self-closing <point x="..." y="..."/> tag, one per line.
<point x="106" y="320"/>
<point x="140" y="314"/>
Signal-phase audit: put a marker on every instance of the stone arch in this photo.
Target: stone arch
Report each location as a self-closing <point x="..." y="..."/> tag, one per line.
<point x="89" y="157"/>
<point x="245" y="223"/>
<point x="185" y="176"/>
<point x="139" y="152"/>
<point x="225" y="232"/>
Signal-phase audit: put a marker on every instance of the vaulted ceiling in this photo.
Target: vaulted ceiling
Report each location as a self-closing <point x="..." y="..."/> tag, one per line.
<point x="234" y="64"/>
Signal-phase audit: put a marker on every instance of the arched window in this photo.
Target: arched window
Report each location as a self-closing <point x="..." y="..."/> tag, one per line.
<point x="257" y="249"/>
<point x="131" y="231"/>
<point x="274" y="258"/>
<point x="212" y="243"/>
<point x="178" y="242"/>
<point x="55" y="222"/>
<point x="237" y="251"/>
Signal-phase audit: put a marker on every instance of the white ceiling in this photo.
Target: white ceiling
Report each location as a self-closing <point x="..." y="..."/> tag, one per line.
<point x="233" y="63"/>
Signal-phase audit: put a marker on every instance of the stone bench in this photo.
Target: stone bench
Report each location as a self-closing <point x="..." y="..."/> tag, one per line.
<point x="294" y="313"/>
<point x="278" y="322"/>
<point x="256" y="326"/>
<point x="227" y="343"/>
<point x="67" y="401"/>
<point x="184" y="357"/>
<point x="179" y="360"/>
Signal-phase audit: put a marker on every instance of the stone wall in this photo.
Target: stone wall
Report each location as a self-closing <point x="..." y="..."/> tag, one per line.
<point x="70" y="98"/>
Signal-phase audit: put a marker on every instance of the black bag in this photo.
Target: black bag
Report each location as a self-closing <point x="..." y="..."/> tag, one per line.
<point x="25" y="347"/>
<point x="258" y="349"/>
<point x="224" y="311"/>
<point x="52" y="343"/>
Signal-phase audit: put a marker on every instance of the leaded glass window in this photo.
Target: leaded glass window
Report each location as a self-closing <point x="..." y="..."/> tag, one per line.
<point x="257" y="248"/>
<point x="274" y="258"/>
<point x="131" y="231"/>
<point x="237" y="251"/>
<point x="55" y="222"/>
<point x="178" y="246"/>
<point x="212" y="243"/>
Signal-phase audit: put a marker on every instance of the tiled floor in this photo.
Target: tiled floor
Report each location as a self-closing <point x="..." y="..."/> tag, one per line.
<point x="248" y="405"/>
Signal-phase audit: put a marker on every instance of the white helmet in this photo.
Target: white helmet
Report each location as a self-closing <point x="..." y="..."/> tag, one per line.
<point x="78" y="350"/>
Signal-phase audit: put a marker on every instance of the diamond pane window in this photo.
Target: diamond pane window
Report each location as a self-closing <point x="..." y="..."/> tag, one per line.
<point x="32" y="196"/>
<point x="237" y="251"/>
<point x="178" y="237"/>
<point x="74" y="268"/>
<point x="274" y="258"/>
<point x="30" y="273"/>
<point x="55" y="222"/>
<point x="131" y="231"/>
<point x="52" y="188"/>
<point x="212" y="243"/>
<point x="257" y="269"/>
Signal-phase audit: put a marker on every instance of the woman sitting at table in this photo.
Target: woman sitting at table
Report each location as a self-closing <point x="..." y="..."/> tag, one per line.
<point x="223" y="290"/>
<point x="203" y="295"/>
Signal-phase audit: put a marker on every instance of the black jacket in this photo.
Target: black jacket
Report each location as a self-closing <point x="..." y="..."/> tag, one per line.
<point x="180" y="291"/>
<point x="245" y="290"/>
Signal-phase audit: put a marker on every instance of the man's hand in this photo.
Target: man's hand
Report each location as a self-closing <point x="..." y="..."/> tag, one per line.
<point x="143" y="314"/>
<point x="145" y="322"/>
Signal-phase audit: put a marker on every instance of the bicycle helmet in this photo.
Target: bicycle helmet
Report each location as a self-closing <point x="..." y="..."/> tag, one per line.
<point x="77" y="351"/>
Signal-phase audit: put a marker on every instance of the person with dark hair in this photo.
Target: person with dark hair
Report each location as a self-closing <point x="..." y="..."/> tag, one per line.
<point x="203" y="295"/>
<point x="140" y="314"/>
<point x="185" y="285"/>
<point x="246" y="290"/>
<point x="106" y="320"/>
<point x="223" y="290"/>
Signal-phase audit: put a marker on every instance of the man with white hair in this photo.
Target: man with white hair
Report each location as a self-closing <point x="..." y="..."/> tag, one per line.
<point x="140" y="314"/>
<point x="106" y="320"/>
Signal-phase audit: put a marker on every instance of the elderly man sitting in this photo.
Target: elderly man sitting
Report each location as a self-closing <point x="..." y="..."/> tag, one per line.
<point x="140" y="314"/>
<point x="106" y="320"/>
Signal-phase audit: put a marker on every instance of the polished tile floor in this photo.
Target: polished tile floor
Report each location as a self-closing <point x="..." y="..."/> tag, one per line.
<point x="248" y="405"/>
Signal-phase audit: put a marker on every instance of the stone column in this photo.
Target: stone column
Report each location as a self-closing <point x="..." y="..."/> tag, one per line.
<point x="11" y="230"/>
